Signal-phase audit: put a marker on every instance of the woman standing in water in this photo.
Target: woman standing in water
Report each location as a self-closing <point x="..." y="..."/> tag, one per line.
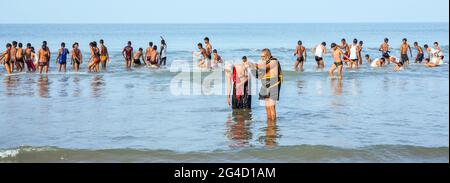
<point x="77" y="57"/>
<point x="95" y="57"/>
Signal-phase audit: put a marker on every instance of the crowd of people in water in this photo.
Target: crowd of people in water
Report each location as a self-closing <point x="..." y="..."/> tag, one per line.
<point x="15" y="58"/>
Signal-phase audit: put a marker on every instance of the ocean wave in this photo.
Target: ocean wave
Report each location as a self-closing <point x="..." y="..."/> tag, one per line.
<point x="300" y="154"/>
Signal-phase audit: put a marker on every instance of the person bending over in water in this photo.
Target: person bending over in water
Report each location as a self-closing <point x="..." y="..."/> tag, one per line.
<point x="368" y="59"/>
<point x="404" y="52"/>
<point x="238" y="78"/>
<point x="162" y="52"/>
<point x="44" y="59"/>
<point x="380" y="62"/>
<point x="77" y="57"/>
<point x="203" y="63"/>
<point x="319" y="51"/>
<point x="148" y="53"/>
<point x="128" y="54"/>
<point x="354" y="54"/>
<point x="384" y="49"/>
<point x="137" y="57"/>
<point x="300" y="52"/>
<point x="61" y="59"/>
<point x="20" y="61"/>
<point x="29" y="59"/>
<point x="95" y="57"/>
<point x="338" y="63"/>
<point x="420" y="55"/>
<point x="217" y="58"/>
<point x="271" y="75"/>
<point x="5" y="58"/>
<point x="104" y="54"/>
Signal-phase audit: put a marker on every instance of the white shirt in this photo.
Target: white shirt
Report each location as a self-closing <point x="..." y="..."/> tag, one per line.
<point x="353" y="54"/>
<point x="319" y="51"/>
<point x="163" y="50"/>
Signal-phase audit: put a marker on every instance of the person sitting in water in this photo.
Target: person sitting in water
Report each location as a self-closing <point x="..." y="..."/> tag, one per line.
<point x="239" y="79"/>
<point x="217" y="58"/>
<point x="380" y="62"/>
<point x="338" y="63"/>
<point x="61" y="59"/>
<point x="203" y="63"/>
<point x="399" y="65"/>
<point x="137" y="57"/>
<point x="368" y="59"/>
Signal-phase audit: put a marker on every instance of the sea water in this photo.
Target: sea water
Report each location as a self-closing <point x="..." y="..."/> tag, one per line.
<point x="134" y="115"/>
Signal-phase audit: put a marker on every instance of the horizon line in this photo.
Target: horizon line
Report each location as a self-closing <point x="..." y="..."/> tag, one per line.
<point x="211" y="23"/>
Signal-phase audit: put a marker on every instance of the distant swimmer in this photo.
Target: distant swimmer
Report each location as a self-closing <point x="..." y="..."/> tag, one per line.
<point x="271" y="79"/>
<point x="420" y="55"/>
<point x="208" y="50"/>
<point x="61" y="59"/>
<point x="29" y="59"/>
<point x="404" y="52"/>
<point x="384" y="49"/>
<point x="368" y="59"/>
<point x="203" y="63"/>
<point x="162" y="52"/>
<point x="300" y="52"/>
<point x="361" y="46"/>
<point x="148" y="53"/>
<point x="104" y="54"/>
<point x="138" y="56"/>
<point x="5" y="58"/>
<point x="20" y="61"/>
<point x="238" y="85"/>
<point x="128" y="54"/>
<point x="77" y="57"/>
<point x="346" y="50"/>
<point x="319" y="51"/>
<point x="354" y="54"/>
<point x="154" y="57"/>
<point x="379" y="62"/>
<point x="217" y="59"/>
<point x="338" y="64"/>
<point x="44" y="58"/>
<point x="95" y="57"/>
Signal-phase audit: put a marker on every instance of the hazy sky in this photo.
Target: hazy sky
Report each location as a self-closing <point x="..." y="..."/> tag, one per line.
<point x="222" y="11"/>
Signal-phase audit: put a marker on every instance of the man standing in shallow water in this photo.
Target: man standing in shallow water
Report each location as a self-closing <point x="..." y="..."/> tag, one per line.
<point x="300" y="52"/>
<point x="404" y="52"/>
<point x="128" y="54"/>
<point x="104" y="55"/>
<point x="271" y="79"/>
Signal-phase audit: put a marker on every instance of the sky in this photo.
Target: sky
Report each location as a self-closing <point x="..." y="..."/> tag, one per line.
<point x="223" y="11"/>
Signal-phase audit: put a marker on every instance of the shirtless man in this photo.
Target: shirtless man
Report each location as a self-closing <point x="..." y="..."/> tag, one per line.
<point x="44" y="59"/>
<point x="361" y="46"/>
<point x="346" y="50"/>
<point x="61" y="59"/>
<point x="300" y="52"/>
<point x="203" y="63"/>
<point x="420" y="54"/>
<point x="148" y="53"/>
<point x="29" y="58"/>
<point x="238" y="85"/>
<point x="217" y="58"/>
<point x="353" y="55"/>
<point x="13" y="62"/>
<point x="318" y="52"/>
<point x="5" y="58"/>
<point x="368" y="59"/>
<point x="428" y="50"/>
<point x="154" y="57"/>
<point x="137" y="57"/>
<point x="208" y="49"/>
<point x="404" y="52"/>
<point x="104" y="54"/>
<point x="162" y="52"/>
<point x="44" y="43"/>
<point x="128" y="54"/>
<point x="271" y="80"/>
<point x="337" y="54"/>
<point x="77" y="57"/>
<point x="20" y="61"/>
<point x="384" y="49"/>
